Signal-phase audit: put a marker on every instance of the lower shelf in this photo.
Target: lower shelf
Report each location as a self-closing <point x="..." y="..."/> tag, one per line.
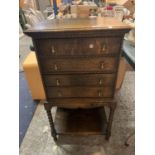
<point x="80" y="121"/>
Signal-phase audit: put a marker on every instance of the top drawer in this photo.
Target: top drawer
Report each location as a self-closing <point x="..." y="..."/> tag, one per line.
<point x="77" y="47"/>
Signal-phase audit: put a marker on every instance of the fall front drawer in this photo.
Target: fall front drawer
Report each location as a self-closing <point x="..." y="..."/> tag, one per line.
<point x="81" y="46"/>
<point x="69" y="92"/>
<point x="80" y="80"/>
<point x="102" y="64"/>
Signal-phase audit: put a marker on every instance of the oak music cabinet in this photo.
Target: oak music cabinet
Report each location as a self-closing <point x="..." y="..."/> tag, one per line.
<point x="78" y="61"/>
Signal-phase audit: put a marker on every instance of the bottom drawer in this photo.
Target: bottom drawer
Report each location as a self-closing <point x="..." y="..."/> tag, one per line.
<point x="67" y="92"/>
<point x="80" y="102"/>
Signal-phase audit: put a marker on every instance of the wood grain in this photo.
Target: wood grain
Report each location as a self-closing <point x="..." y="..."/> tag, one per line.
<point x="100" y="64"/>
<point x="75" y="103"/>
<point x="79" y="80"/>
<point x="67" y="92"/>
<point x="78" y="47"/>
<point x="79" y="24"/>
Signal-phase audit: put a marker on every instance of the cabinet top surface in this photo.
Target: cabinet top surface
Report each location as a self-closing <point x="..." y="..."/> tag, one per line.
<point x="61" y="25"/>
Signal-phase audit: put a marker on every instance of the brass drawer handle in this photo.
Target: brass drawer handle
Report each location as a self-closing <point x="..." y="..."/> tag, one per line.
<point x="103" y="47"/>
<point x="91" y="45"/>
<point x="53" y="50"/>
<point x="55" y="67"/>
<point x="100" y="82"/>
<point x="58" y="83"/>
<point x="59" y="94"/>
<point x="102" y="65"/>
<point x="99" y="93"/>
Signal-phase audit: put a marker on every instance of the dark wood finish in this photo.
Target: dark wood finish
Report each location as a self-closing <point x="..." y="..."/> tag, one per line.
<point x="78" y="47"/>
<point x="80" y="121"/>
<point x="69" y="92"/>
<point x="73" y="103"/>
<point x="110" y="119"/>
<point x="78" y="61"/>
<point x="68" y="28"/>
<point x="49" y="115"/>
<point x="101" y="65"/>
<point x="80" y="80"/>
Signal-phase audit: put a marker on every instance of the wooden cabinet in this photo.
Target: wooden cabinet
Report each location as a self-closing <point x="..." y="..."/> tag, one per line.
<point x="78" y="61"/>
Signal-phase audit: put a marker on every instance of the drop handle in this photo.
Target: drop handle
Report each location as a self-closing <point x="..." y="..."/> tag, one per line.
<point x="55" y="67"/>
<point x="102" y="66"/>
<point x="103" y="47"/>
<point x="58" y="82"/>
<point x="100" y="82"/>
<point x="99" y="93"/>
<point x="52" y="49"/>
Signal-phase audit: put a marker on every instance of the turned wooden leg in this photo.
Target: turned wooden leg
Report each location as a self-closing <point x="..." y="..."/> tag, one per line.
<point x="110" y="120"/>
<point x="49" y="115"/>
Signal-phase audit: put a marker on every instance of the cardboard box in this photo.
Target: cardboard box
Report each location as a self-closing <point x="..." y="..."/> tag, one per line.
<point x="33" y="77"/>
<point x="82" y="11"/>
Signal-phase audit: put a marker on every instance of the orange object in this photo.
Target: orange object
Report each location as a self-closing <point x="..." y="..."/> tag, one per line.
<point x="58" y="2"/>
<point x="33" y="77"/>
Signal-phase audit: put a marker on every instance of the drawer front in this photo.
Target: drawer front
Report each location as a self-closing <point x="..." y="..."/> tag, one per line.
<point x="69" y="92"/>
<point x="80" y="102"/>
<point x="79" y="65"/>
<point x="79" y="80"/>
<point x="82" y="46"/>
